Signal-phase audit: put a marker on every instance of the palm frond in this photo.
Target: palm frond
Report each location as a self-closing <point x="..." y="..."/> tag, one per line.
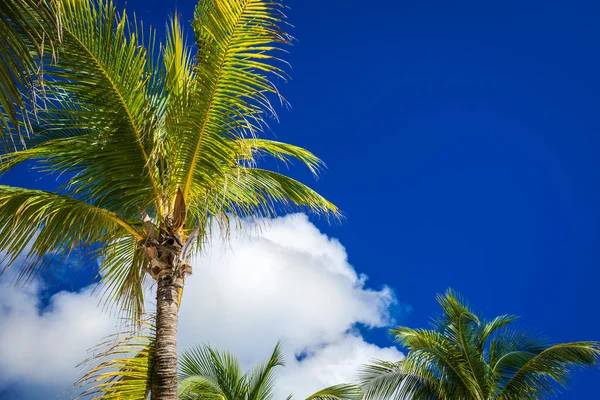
<point x="28" y="28"/>
<point x="219" y="369"/>
<point x="381" y="380"/>
<point x="536" y="374"/>
<point x="261" y="379"/>
<point x="123" y="276"/>
<point x="121" y="366"/>
<point x="255" y="191"/>
<point x="338" y="392"/>
<point x="251" y="149"/>
<point x="451" y="361"/>
<point x="98" y="123"/>
<point x="35" y="224"/>
<point x="237" y="42"/>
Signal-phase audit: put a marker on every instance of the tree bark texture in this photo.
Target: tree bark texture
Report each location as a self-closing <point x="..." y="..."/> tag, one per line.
<point x="164" y="382"/>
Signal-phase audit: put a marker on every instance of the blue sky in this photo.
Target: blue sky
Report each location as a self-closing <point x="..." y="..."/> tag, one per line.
<point x="461" y="140"/>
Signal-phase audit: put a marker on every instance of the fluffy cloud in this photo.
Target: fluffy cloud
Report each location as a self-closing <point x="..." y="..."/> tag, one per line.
<point x="286" y="281"/>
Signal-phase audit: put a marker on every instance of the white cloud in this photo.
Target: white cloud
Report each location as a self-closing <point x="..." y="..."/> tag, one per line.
<point x="40" y="349"/>
<point x="285" y="282"/>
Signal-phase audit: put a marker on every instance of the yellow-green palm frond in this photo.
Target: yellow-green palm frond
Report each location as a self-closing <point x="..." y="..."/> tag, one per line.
<point x="237" y="42"/>
<point x="121" y="367"/>
<point x="123" y="277"/>
<point x="338" y="392"/>
<point x="28" y="28"/>
<point x="256" y="192"/>
<point x="99" y="121"/>
<point x="251" y="149"/>
<point x="36" y="225"/>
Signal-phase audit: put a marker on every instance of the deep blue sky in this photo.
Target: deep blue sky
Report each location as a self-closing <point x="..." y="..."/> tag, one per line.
<point x="461" y="140"/>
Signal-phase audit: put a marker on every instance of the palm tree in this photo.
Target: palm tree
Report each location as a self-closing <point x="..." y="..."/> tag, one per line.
<point x="209" y="374"/>
<point x="153" y="146"/>
<point x="466" y="358"/>
<point x="124" y="372"/>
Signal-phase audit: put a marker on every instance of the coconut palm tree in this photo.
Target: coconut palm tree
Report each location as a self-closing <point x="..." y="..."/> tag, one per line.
<point x="123" y="366"/>
<point x="466" y="358"/>
<point x="209" y="374"/>
<point x="154" y="147"/>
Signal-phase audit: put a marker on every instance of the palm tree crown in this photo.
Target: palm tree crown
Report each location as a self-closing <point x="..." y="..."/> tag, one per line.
<point x="466" y="358"/>
<point x="155" y="141"/>
<point x="210" y="374"/>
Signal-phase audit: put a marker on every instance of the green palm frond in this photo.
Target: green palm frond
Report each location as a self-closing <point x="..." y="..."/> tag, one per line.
<point x="248" y="191"/>
<point x="251" y="149"/>
<point x="338" y="392"/>
<point x="219" y="370"/>
<point x="123" y="276"/>
<point x="206" y="373"/>
<point x="261" y="379"/>
<point x="399" y="380"/>
<point x="537" y="373"/>
<point x="98" y="123"/>
<point x="28" y="28"/>
<point x="237" y="44"/>
<point x="35" y="224"/>
<point x="467" y="358"/>
<point x="121" y="366"/>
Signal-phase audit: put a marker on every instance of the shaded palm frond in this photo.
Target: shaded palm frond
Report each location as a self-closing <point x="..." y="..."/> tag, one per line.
<point x="121" y="366"/>
<point x="399" y="380"/>
<point x="537" y="373"/>
<point x="464" y="357"/>
<point x="28" y="28"/>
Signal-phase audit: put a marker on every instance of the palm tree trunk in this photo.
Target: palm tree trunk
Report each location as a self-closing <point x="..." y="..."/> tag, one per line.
<point x="164" y="382"/>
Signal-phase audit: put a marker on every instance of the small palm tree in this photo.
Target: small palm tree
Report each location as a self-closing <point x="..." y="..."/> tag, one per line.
<point x="124" y="372"/>
<point x="154" y="143"/>
<point x="209" y="374"/>
<point x="466" y="358"/>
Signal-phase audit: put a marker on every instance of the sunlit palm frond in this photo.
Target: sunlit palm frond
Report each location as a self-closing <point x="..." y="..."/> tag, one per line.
<point x="399" y="380"/>
<point x="251" y="149"/>
<point x="465" y="358"/>
<point x="237" y="43"/>
<point x="123" y="276"/>
<point x="338" y="392"/>
<point x="36" y="226"/>
<point x="121" y="367"/>
<point x="255" y="191"/>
